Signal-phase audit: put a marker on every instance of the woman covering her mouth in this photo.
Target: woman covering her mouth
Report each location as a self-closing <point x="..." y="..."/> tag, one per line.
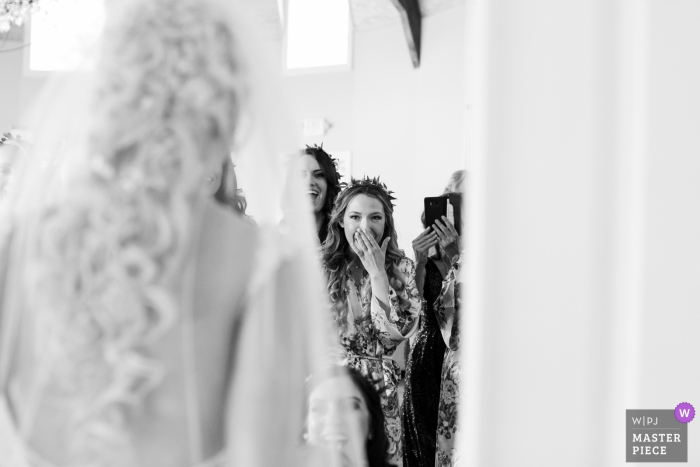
<point x="373" y="292"/>
<point x="323" y="180"/>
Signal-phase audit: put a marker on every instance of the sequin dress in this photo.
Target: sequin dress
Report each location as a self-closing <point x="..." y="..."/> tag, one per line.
<point x="423" y="371"/>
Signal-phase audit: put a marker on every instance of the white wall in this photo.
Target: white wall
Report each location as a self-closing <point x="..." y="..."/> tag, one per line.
<point x="16" y="89"/>
<point x="583" y="243"/>
<point x="672" y="297"/>
<point x="10" y="76"/>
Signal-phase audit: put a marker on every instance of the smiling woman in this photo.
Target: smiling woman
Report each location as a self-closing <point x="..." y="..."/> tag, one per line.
<point x="373" y="292"/>
<point x="345" y="415"/>
<point x="321" y="175"/>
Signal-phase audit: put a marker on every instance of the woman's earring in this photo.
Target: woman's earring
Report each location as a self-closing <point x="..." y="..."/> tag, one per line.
<point x="305" y="436"/>
<point x="369" y="436"/>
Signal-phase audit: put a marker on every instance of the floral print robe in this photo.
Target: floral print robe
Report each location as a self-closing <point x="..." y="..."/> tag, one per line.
<point x="447" y="308"/>
<point x="371" y="339"/>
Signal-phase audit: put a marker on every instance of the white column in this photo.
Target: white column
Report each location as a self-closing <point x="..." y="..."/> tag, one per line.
<point x="584" y="235"/>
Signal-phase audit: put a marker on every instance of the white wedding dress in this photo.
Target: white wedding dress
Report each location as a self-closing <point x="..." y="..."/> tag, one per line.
<point x="140" y="323"/>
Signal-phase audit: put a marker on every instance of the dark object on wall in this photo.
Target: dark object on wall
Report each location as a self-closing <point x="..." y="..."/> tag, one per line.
<point x="411" y="18"/>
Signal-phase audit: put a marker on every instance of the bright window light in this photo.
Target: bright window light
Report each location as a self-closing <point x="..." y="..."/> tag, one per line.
<point x="62" y="31"/>
<point x="318" y="33"/>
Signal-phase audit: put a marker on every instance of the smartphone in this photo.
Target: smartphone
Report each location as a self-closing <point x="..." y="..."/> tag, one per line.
<point x="449" y="206"/>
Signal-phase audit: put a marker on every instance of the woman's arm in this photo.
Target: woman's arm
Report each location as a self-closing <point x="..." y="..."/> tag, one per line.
<point x="405" y="306"/>
<point x="448" y="304"/>
<point x="395" y="313"/>
<point x="448" y="238"/>
<point x="421" y="246"/>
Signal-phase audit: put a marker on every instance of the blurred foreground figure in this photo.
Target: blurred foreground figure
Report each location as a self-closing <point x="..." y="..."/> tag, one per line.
<point x="141" y="322"/>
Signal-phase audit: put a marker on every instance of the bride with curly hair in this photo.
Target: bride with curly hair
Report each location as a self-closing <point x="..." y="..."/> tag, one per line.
<point x="372" y="288"/>
<point x="142" y="323"/>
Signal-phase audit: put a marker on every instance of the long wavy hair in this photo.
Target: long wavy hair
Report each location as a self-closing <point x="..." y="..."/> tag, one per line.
<point x="336" y="252"/>
<point x="330" y="173"/>
<point x="456" y="182"/>
<point x="168" y="81"/>
<point x="377" y="443"/>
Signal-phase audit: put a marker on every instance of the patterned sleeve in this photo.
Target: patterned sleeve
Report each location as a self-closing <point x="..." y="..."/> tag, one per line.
<point x="448" y="304"/>
<point x="405" y="309"/>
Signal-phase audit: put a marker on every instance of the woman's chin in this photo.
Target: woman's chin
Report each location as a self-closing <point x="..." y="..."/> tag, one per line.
<point x="332" y="456"/>
<point x="336" y="445"/>
<point x="336" y="440"/>
<point x="318" y="205"/>
<point x="343" y="453"/>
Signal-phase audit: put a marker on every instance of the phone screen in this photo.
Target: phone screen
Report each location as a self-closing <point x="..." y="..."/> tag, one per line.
<point x="454" y="211"/>
<point x="450" y="211"/>
<point x="450" y="206"/>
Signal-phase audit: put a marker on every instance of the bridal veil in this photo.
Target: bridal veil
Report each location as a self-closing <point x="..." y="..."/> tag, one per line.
<point x="98" y="239"/>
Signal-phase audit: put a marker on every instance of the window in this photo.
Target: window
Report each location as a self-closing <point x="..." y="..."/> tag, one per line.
<point x="61" y="32"/>
<point x="318" y="34"/>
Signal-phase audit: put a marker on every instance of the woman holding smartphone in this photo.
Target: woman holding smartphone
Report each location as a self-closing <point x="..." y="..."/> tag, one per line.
<point x="424" y="366"/>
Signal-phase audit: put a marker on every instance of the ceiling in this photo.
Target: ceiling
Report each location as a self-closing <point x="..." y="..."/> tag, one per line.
<point x="366" y="14"/>
<point x="375" y="13"/>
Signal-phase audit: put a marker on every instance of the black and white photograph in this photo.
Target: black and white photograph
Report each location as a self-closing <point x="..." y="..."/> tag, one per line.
<point x="349" y="233"/>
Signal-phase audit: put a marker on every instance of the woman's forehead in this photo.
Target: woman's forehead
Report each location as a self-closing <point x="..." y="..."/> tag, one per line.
<point x="310" y="163"/>
<point x="365" y="203"/>
<point x="339" y="387"/>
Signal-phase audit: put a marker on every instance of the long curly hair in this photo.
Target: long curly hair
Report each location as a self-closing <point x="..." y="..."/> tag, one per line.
<point x="330" y="173"/>
<point x="168" y="81"/>
<point x="336" y="252"/>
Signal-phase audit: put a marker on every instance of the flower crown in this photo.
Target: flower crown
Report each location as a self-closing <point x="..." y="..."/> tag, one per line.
<point x="373" y="182"/>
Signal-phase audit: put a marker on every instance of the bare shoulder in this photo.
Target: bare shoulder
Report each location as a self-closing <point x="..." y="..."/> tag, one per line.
<point x="225" y="259"/>
<point x="228" y="231"/>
